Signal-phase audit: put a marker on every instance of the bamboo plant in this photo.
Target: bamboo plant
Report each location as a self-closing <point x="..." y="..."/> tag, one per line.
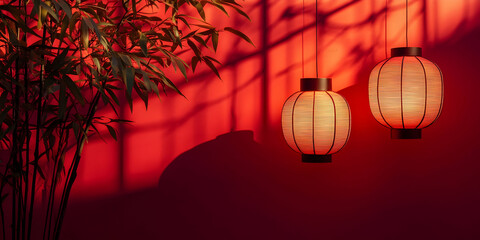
<point x="60" y="61"/>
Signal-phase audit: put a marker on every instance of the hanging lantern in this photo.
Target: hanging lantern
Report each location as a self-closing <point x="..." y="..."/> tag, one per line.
<point x="406" y="92"/>
<point x="316" y="121"/>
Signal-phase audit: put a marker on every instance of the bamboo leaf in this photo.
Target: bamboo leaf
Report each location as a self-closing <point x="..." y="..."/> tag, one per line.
<point x="199" y="8"/>
<point x="194" y="47"/>
<point x="200" y="40"/>
<point x="170" y="84"/>
<point x="212" y="59"/>
<point x="59" y="61"/>
<point x="129" y="79"/>
<point x="49" y="10"/>
<point x="112" y="132"/>
<point x="181" y="66"/>
<point x="73" y="21"/>
<point x="183" y="20"/>
<point x="143" y="44"/>
<point x="195" y="61"/>
<point x="84" y="35"/>
<point x="215" y="40"/>
<point x="112" y="95"/>
<point x="240" y="11"/>
<point x="240" y="34"/>
<point x="66" y="8"/>
<point x="74" y="89"/>
<point x="212" y="66"/>
<point x="219" y="6"/>
<point x="97" y="63"/>
<point x="155" y="89"/>
<point x="142" y="95"/>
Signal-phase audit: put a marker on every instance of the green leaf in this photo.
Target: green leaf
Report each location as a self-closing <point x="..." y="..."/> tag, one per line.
<point x="143" y="44"/>
<point x="84" y="35"/>
<point x="12" y="35"/>
<point x="142" y="95"/>
<point x="215" y="40"/>
<point x="219" y="6"/>
<point x="195" y="61"/>
<point x="183" y="20"/>
<point x="170" y="84"/>
<point x="76" y="129"/>
<point x="129" y="79"/>
<point x="112" y="132"/>
<point x="49" y="10"/>
<point x="97" y="63"/>
<point x="74" y="89"/>
<point x="73" y="22"/>
<point x="58" y="62"/>
<point x="116" y="64"/>
<point x="200" y="40"/>
<point x="194" y="47"/>
<point x="212" y="66"/>
<point x="212" y="59"/>
<point x="199" y="8"/>
<point x="66" y="8"/>
<point x="240" y="34"/>
<point x="240" y="11"/>
<point x="112" y="95"/>
<point x="181" y="66"/>
<point x="98" y="132"/>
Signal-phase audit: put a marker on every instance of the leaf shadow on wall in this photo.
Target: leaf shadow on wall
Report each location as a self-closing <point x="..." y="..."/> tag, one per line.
<point x="376" y="188"/>
<point x="235" y="188"/>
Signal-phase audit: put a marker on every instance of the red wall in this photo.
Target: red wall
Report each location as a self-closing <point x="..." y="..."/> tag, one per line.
<point x="170" y="177"/>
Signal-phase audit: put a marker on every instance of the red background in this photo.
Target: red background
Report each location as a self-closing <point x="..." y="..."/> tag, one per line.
<point x="170" y="177"/>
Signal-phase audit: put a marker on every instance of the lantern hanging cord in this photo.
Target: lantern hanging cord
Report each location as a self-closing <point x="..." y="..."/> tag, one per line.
<point x="406" y="22"/>
<point x="386" y="10"/>
<point x="316" y="38"/>
<point x="303" y="27"/>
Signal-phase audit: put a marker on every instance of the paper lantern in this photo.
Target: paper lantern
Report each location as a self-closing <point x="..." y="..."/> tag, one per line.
<point x="316" y="121"/>
<point x="406" y="92"/>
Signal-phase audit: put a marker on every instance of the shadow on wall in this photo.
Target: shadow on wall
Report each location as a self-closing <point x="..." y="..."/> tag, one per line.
<point x="376" y="188"/>
<point x="220" y="189"/>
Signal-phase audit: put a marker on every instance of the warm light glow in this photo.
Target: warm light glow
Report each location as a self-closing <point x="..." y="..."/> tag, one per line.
<point x="316" y="122"/>
<point x="406" y="92"/>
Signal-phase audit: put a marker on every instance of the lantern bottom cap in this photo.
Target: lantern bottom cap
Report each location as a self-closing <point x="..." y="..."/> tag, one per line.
<point x="406" y="133"/>
<point x="312" y="158"/>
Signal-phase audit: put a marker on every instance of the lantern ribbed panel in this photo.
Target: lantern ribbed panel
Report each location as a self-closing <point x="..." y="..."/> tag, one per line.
<point x="316" y="122"/>
<point x="406" y="92"/>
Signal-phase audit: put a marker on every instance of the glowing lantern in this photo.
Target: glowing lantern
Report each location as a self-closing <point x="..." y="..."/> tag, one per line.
<point x="406" y="92"/>
<point x="316" y="121"/>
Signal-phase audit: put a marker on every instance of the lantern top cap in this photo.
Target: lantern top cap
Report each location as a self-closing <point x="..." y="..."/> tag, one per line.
<point x="315" y="84"/>
<point x="406" y="51"/>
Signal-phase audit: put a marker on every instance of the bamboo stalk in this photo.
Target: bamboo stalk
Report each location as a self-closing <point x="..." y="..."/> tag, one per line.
<point x="75" y="162"/>
<point x="37" y="141"/>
